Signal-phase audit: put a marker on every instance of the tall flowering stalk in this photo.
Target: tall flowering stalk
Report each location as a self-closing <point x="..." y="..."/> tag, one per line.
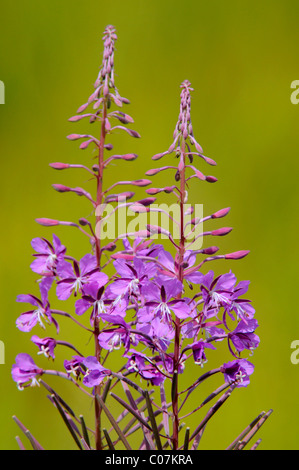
<point x="160" y="310"/>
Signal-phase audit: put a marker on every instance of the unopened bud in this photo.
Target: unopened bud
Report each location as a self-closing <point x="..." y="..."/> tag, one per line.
<point x="47" y="222"/>
<point x="59" y="166"/>
<point x="221" y="231"/>
<point x="211" y="179"/>
<point x="108" y="146"/>
<point x="221" y="213"/>
<point x="237" y="254"/>
<point x="147" y="201"/>
<point x="210" y="251"/>
<point x="84" y="222"/>
<point x="61" y="188"/>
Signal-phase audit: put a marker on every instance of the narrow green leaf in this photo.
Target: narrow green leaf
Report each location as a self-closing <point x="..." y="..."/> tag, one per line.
<point x="109" y="442"/>
<point x="245" y="431"/>
<point x="186" y="441"/>
<point x="254" y="447"/>
<point x="153" y="420"/>
<point x="198" y="439"/>
<point x="164" y="409"/>
<point x="84" y="430"/>
<point x="84" y="444"/>
<point x="20" y="443"/>
<point x="66" y="421"/>
<point x="253" y="431"/>
<point x="35" y="444"/>
<point x="114" y="423"/>
<point x="106" y="389"/>
<point x="212" y="411"/>
<point x="131" y="410"/>
<point x="32" y="441"/>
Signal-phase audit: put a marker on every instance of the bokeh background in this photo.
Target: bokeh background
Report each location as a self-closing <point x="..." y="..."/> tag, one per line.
<point x="241" y="58"/>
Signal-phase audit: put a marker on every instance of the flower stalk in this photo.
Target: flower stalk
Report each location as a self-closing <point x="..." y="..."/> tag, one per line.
<point x="158" y="311"/>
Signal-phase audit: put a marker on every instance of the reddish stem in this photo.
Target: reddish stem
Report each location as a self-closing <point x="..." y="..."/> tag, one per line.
<point x="181" y="252"/>
<point x="98" y="349"/>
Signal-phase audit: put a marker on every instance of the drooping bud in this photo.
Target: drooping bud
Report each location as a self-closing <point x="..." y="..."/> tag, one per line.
<point x="147" y="201"/>
<point x="221" y="213"/>
<point x="210" y="251"/>
<point x="61" y="188"/>
<point x="221" y="231"/>
<point x="59" y="166"/>
<point x="84" y="222"/>
<point x="47" y="222"/>
<point x="211" y="179"/>
<point x="237" y="254"/>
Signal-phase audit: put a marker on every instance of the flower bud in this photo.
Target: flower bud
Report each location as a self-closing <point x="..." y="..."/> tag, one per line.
<point x="211" y="179"/>
<point x="221" y="213"/>
<point x="59" y="166"/>
<point x="47" y="222"/>
<point x="237" y="254"/>
<point x="210" y="251"/>
<point x="221" y="231"/>
<point x="61" y="188"/>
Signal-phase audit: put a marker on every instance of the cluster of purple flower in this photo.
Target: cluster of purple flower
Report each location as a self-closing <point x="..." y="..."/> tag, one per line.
<point x="160" y="310"/>
<point x="151" y="290"/>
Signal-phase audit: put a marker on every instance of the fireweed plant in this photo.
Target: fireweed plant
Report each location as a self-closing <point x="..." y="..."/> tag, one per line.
<point x="158" y="309"/>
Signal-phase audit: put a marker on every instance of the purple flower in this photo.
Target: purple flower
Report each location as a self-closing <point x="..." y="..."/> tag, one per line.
<point x="171" y="266"/>
<point x="241" y="307"/>
<point x="73" y="278"/>
<point x="113" y="338"/>
<point x="237" y="372"/>
<point x="139" y="362"/>
<point x="198" y="349"/>
<point x="160" y="303"/>
<point x="95" y="372"/>
<point x="217" y="293"/>
<point x="94" y="297"/>
<point x="132" y="278"/>
<point x="243" y="337"/>
<point x="160" y="333"/>
<point x="29" y="319"/>
<point x="25" y="372"/>
<point x="139" y="247"/>
<point x="75" y="367"/>
<point x="47" y="256"/>
<point x="46" y="345"/>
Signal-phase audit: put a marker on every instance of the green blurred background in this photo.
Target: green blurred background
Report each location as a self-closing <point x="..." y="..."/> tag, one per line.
<point x="241" y="58"/>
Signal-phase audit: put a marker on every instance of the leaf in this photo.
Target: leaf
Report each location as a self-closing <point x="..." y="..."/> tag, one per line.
<point x="114" y="423"/>
<point x="84" y="430"/>
<point x="164" y="409"/>
<point x="131" y="410"/>
<point x="153" y="420"/>
<point x="211" y="412"/>
<point x="35" y="444"/>
<point x="20" y="443"/>
<point x="109" y="442"/>
<point x="84" y="444"/>
<point x="186" y="441"/>
<point x="67" y="421"/>
<point x="253" y="428"/>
